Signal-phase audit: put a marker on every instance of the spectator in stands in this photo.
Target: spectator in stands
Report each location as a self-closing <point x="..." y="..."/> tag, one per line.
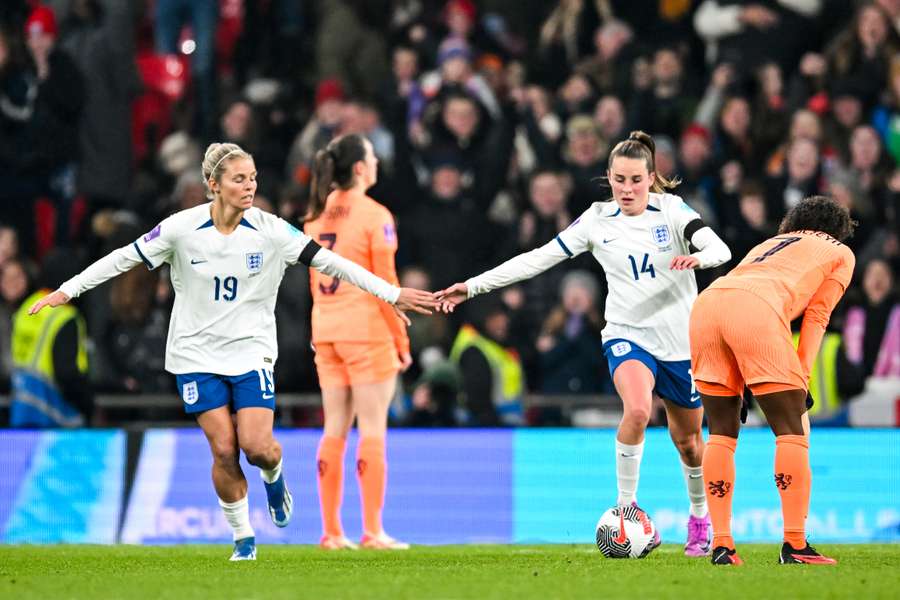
<point x="609" y="67"/>
<point x="751" y="224"/>
<point x="427" y="333"/>
<point x="693" y="166"/>
<point x="203" y="17"/>
<point x="872" y="325"/>
<point x="318" y="131"/>
<point x="610" y="118"/>
<point x="886" y="118"/>
<point x="134" y="342"/>
<point x="751" y="33"/>
<point x="800" y="180"/>
<point x="571" y="351"/>
<point x="663" y="103"/>
<point x="565" y="37"/>
<point x="445" y="219"/>
<point x="100" y="37"/>
<point x="17" y="278"/>
<point x="349" y="48"/>
<point x="861" y="54"/>
<point x="492" y="378"/>
<point x="50" y="387"/>
<point x="871" y="165"/>
<point x="584" y="157"/>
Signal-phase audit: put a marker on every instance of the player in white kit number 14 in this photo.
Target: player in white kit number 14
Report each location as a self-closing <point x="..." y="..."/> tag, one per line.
<point x="647" y="242"/>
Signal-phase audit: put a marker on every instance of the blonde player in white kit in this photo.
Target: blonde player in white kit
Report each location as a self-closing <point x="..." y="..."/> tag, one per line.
<point x="643" y="241"/>
<point x="227" y="260"/>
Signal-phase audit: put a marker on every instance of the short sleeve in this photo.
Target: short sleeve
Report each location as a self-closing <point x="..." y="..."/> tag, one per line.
<point x="294" y="245"/>
<point x="156" y="246"/>
<point x="686" y="220"/>
<point x="575" y="239"/>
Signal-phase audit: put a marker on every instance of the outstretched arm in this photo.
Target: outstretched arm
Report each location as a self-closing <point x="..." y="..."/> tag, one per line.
<point x="116" y="262"/>
<point x="521" y="267"/>
<point x="331" y="264"/>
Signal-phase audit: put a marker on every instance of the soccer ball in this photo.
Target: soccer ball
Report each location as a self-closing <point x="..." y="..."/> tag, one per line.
<point x="625" y="532"/>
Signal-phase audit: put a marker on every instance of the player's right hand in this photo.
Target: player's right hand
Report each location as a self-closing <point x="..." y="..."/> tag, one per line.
<point x="416" y="300"/>
<point x="452" y="296"/>
<point x="55" y="299"/>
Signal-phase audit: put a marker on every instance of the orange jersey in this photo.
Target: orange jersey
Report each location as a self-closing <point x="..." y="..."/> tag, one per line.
<point x="801" y="272"/>
<point x="362" y="230"/>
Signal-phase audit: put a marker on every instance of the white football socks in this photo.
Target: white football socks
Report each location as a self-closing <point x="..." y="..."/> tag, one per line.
<point x="693" y="477"/>
<point x="271" y="475"/>
<point x="628" y="471"/>
<point x="238" y="516"/>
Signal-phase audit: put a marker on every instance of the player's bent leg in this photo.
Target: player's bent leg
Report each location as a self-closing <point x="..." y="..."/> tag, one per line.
<point x="338" y="408"/>
<point x="685" y="430"/>
<point x="723" y="408"/>
<point x="784" y="410"/>
<point x="370" y="403"/>
<point x="228" y="479"/>
<point x="254" y="426"/>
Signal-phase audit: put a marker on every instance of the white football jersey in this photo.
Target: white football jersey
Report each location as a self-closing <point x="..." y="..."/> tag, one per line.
<point x="648" y="303"/>
<point x="223" y="320"/>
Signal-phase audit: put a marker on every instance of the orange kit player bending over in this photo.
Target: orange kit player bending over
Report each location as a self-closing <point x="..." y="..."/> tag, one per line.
<point x="740" y="334"/>
<point x="360" y="344"/>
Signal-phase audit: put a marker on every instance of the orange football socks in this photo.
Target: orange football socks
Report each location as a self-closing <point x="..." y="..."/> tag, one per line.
<point x="718" y="475"/>
<point x="371" y="470"/>
<point x="792" y="478"/>
<point x="330" y="463"/>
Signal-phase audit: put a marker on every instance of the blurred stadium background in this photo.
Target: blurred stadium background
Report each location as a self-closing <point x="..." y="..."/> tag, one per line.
<point x="492" y="121"/>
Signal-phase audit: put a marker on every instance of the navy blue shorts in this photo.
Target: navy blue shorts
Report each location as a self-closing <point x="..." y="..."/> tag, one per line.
<point x="673" y="377"/>
<point x="205" y="391"/>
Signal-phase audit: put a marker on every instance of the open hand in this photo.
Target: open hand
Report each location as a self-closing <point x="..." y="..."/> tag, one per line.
<point x="452" y="296"/>
<point x="415" y="300"/>
<point x="54" y="299"/>
<point x="684" y="263"/>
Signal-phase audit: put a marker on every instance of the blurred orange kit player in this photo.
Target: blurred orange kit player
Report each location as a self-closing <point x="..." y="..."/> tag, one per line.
<point x="360" y="344"/>
<point x="740" y="334"/>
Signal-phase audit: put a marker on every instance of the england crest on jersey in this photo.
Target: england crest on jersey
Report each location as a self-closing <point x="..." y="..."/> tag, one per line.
<point x="661" y="235"/>
<point x="254" y="261"/>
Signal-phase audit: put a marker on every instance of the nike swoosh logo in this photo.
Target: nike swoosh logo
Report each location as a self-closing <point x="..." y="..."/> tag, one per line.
<point x="196" y="261"/>
<point x="268" y="396"/>
<point x="622" y="537"/>
<point x="606" y="241"/>
<point x="695" y="476"/>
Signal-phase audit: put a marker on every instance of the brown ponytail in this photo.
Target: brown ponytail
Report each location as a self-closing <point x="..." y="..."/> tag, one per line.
<point x="641" y="145"/>
<point x="333" y="167"/>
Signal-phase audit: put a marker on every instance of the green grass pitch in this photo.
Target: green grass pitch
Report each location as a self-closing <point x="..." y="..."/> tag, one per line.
<point x="435" y="573"/>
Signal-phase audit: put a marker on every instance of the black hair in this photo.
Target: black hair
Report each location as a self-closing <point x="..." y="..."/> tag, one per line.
<point x="333" y="167"/>
<point x="819" y="213"/>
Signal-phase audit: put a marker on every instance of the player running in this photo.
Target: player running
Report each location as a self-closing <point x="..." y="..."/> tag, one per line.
<point x="642" y="241"/>
<point x="360" y="343"/>
<point x="227" y="259"/>
<point x="741" y="334"/>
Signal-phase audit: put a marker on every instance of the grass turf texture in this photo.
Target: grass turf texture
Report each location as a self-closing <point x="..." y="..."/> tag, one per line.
<point x="516" y="572"/>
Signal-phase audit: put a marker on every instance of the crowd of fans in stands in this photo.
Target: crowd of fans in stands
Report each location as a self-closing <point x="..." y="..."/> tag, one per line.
<point x="492" y="121"/>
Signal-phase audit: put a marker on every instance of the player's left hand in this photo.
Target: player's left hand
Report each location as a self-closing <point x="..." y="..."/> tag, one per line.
<point x="683" y="263"/>
<point x="405" y="361"/>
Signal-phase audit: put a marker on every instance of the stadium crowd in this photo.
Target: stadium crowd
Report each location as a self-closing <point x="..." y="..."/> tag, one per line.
<point x="492" y="122"/>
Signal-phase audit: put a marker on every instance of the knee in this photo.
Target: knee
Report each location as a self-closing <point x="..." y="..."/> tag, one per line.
<point x="261" y="452"/>
<point x="688" y="446"/>
<point x="225" y="455"/>
<point x="637" y="416"/>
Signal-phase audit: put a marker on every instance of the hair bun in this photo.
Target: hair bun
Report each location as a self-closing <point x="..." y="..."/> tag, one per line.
<point x="643" y="138"/>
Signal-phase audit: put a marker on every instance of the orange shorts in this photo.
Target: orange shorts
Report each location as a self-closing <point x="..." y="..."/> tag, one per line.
<point x="738" y="339"/>
<point x="342" y="364"/>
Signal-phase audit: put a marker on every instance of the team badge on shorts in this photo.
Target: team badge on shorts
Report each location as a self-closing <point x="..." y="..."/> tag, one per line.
<point x="189" y="392"/>
<point x="254" y="261"/>
<point x="620" y="348"/>
<point x="661" y="235"/>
